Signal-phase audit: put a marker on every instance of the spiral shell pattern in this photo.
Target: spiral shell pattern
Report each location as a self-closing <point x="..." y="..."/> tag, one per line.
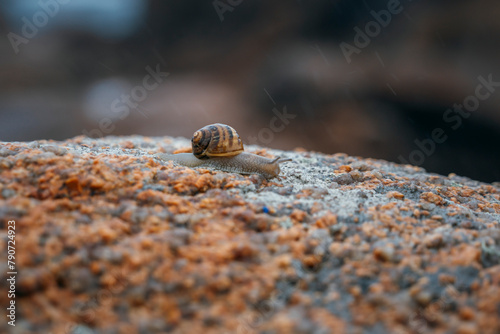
<point x="216" y="140"/>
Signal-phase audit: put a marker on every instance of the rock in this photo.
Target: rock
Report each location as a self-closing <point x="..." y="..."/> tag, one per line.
<point x="112" y="236"/>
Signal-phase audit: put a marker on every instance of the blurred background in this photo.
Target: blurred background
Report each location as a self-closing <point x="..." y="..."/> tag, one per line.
<point x="369" y="78"/>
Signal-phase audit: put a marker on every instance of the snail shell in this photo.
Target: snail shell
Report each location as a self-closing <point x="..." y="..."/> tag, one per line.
<point x="219" y="146"/>
<point x="216" y="140"/>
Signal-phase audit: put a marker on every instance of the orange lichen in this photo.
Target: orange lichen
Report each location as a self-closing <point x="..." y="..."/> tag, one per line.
<point x="121" y="241"/>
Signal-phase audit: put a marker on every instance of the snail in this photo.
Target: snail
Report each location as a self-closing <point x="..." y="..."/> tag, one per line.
<point x="219" y="146"/>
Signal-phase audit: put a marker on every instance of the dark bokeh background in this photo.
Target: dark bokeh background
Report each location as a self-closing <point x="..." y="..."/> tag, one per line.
<point x="256" y="57"/>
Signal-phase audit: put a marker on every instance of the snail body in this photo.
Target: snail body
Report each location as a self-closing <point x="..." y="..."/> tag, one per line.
<point x="219" y="146"/>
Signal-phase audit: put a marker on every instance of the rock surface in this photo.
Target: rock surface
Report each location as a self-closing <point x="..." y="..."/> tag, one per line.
<point x="109" y="239"/>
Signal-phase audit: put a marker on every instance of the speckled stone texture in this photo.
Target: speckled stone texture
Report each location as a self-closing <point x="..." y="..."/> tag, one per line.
<point x="111" y="239"/>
